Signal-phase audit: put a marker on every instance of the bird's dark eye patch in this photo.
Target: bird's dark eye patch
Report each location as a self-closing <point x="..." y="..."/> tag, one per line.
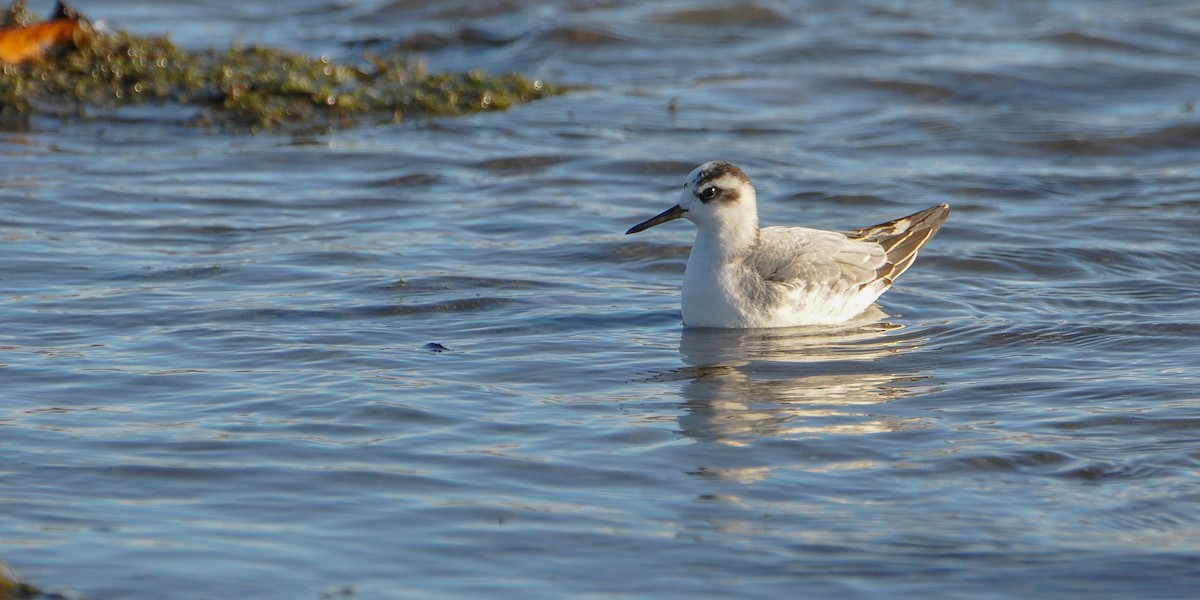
<point x="707" y="193"/>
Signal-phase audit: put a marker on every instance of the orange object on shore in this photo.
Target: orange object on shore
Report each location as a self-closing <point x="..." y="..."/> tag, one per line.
<point x="63" y="30"/>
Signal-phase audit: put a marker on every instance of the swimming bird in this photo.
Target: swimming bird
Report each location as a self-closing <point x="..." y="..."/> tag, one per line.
<point x="741" y="276"/>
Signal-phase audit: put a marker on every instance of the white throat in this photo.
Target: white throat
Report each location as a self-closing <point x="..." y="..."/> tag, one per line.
<point x="729" y="230"/>
<point x="714" y="281"/>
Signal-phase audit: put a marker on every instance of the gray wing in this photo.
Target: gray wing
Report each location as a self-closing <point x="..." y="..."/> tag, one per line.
<point x="845" y="262"/>
<point x="798" y="257"/>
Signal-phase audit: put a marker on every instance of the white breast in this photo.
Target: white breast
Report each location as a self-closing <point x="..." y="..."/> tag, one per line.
<point x="793" y="277"/>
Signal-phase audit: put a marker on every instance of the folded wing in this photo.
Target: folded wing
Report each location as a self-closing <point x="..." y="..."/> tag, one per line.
<point x="838" y="263"/>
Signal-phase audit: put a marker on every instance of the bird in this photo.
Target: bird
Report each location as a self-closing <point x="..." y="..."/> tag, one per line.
<point x="740" y="276"/>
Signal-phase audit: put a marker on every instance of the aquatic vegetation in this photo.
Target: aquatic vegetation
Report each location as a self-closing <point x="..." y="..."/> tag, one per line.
<point x="12" y="589"/>
<point x="247" y="87"/>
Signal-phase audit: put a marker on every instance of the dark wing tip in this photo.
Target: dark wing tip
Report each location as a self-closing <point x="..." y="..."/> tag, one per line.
<point x="902" y="238"/>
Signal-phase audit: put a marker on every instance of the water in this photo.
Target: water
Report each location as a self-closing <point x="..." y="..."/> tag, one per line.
<point x="423" y="360"/>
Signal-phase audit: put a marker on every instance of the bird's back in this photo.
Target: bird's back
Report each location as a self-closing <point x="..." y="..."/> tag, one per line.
<point x="829" y="276"/>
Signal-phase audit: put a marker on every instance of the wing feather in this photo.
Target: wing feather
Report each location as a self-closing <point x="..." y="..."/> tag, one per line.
<point x="876" y="255"/>
<point x="901" y="239"/>
<point x="795" y="256"/>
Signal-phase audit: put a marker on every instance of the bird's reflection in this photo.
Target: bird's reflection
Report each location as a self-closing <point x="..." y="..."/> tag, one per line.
<point x="743" y="385"/>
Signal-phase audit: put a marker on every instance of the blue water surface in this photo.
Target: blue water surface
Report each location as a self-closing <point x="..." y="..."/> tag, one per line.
<point x="422" y="360"/>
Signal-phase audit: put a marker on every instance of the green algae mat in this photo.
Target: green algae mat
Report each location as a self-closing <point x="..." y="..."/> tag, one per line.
<point x="75" y="72"/>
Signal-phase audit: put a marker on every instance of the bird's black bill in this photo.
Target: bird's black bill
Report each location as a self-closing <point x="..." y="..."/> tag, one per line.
<point x="667" y="215"/>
